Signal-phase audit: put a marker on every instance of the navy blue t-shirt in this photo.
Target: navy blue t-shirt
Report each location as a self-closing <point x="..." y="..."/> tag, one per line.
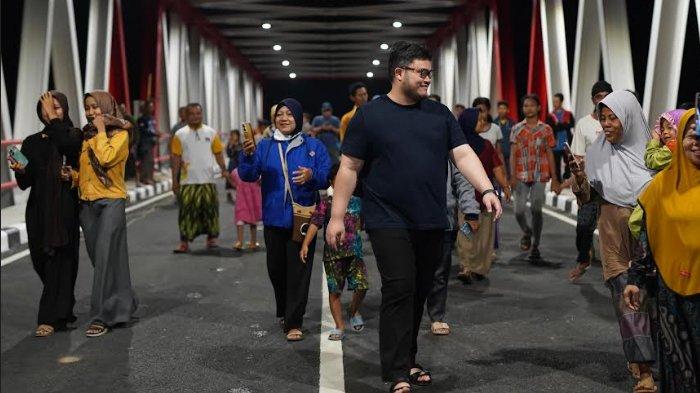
<point x="405" y="149"/>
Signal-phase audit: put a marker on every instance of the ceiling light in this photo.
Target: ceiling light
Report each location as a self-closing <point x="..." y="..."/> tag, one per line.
<point x="375" y="62"/>
<point x="384" y="46"/>
<point x="277" y="47"/>
<point x="266" y="26"/>
<point x="285" y="63"/>
<point x="397" y="24"/>
<point x="370" y="74"/>
<point x="292" y="75"/>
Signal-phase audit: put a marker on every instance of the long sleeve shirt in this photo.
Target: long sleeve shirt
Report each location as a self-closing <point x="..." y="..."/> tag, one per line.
<point x="460" y="195"/>
<point x="657" y="156"/>
<point x="111" y="153"/>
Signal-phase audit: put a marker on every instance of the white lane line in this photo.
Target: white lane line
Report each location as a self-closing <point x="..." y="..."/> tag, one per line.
<point x="331" y="372"/>
<point x="561" y="217"/>
<point x="22" y="254"/>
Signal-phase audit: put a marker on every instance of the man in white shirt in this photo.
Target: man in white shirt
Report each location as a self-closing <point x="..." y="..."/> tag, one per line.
<point x="197" y="154"/>
<point x="586" y="132"/>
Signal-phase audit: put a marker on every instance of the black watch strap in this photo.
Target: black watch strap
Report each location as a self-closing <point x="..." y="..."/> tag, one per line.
<point x="490" y="190"/>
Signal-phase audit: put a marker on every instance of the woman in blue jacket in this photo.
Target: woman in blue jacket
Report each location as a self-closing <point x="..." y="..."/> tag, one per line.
<point x="308" y="165"/>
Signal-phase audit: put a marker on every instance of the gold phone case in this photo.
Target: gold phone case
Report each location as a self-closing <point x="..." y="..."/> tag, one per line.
<point x="248" y="132"/>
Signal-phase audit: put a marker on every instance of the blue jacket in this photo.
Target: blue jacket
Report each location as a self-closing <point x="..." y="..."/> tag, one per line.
<point x="265" y="163"/>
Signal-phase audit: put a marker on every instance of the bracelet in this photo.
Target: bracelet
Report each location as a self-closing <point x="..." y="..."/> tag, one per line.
<point x="490" y="190"/>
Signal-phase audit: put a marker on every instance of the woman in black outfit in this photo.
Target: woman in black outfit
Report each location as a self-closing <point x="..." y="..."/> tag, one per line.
<point x="52" y="210"/>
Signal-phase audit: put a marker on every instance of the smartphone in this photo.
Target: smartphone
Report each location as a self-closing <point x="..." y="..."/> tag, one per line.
<point x="248" y="132"/>
<point x="569" y="153"/>
<point x="466" y="229"/>
<point x="17" y="156"/>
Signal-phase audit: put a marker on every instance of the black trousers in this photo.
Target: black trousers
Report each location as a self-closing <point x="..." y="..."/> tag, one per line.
<point x="586" y="222"/>
<point x="559" y="158"/>
<point x="437" y="298"/>
<point x="406" y="260"/>
<point x="57" y="271"/>
<point x="290" y="277"/>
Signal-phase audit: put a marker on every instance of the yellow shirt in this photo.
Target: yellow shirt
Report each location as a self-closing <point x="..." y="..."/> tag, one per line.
<point x="345" y="121"/>
<point x="112" y="154"/>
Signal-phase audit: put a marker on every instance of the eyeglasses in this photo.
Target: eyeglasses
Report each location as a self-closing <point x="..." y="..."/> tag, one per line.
<point x="424" y="72"/>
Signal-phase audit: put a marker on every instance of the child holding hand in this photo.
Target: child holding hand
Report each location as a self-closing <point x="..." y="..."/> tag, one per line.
<point x="342" y="264"/>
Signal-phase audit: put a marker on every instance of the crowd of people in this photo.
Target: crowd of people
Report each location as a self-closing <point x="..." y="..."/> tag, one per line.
<point x="419" y="179"/>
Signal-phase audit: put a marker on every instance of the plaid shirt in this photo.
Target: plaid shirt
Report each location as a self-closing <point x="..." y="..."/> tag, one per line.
<point x="530" y="149"/>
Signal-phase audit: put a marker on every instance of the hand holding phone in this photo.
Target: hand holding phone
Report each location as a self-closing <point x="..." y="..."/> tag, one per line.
<point x="16" y="157"/>
<point x="248" y="139"/>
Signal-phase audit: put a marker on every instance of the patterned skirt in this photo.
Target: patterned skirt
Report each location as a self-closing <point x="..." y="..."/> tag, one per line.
<point x="199" y="211"/>
<point x="679" y="352"/>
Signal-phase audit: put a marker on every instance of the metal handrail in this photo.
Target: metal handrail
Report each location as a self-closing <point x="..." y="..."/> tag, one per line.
<point x="8" y="142"/>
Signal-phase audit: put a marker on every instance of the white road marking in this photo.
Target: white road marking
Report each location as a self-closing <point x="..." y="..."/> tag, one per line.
<point x="331" y="370"/>
<point x="561" y="217"/>
<point x="22" y="254"/>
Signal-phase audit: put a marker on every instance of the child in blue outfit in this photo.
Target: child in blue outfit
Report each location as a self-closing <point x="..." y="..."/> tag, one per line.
<point x="342" y="264"/>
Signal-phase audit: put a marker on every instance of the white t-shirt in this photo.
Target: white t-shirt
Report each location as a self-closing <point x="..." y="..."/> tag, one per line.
<point x="493" y="135"/>
<point x="586" y="131"/>
<point x="197" y="149"/>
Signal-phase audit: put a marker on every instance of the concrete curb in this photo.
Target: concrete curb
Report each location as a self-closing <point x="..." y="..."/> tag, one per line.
<point x="563" y="203"/>
<point x="14" y="237"/>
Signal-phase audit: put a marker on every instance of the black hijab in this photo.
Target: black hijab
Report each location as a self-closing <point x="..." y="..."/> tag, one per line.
<point x="467" y="121"/>
<point x="294" y="106"/>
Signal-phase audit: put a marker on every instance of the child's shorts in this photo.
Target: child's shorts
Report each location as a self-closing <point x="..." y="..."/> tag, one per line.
<point x="350" y="269"/>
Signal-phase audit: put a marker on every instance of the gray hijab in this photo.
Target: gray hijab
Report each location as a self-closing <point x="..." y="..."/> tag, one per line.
<point x="617" y="171"/>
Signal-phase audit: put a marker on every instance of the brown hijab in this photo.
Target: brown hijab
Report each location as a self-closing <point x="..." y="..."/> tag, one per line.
<point x="114" y="119"/>
<point x="114" y="122"/>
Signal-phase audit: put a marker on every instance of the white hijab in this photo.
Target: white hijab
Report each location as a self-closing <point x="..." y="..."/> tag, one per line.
<point x="279" y="136"/>
<point x="617" y="171"/>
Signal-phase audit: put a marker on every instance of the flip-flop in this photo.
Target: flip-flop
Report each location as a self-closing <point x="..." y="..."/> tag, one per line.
<point x="526" y="242"/>
<point x="181" y="249"/>
<point x="578" y="271"/>
<point x="336" y="335"/>
<point x="440" y="328"/>
<point x="44" y="330"/>
<point x="295" y="336"/>
<point x="98" y="328"/>
<point x="394" y="389"/>
<point x="414" y="377"/>
<point x="357" y="323"/>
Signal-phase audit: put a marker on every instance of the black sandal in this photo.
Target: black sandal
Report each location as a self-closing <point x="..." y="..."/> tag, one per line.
<point x="414" y="377"/>
<point x="526" y="242"/>
<point x="394" y="389"/>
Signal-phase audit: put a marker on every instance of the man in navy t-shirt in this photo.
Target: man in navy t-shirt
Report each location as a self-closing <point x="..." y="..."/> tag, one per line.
<point x="398" y="146"/>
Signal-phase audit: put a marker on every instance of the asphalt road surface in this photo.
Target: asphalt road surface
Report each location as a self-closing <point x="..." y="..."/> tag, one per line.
<point x="206" y="324"/>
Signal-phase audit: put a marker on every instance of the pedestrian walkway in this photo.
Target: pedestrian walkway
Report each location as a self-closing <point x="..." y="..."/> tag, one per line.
<point x="207" y="325"/>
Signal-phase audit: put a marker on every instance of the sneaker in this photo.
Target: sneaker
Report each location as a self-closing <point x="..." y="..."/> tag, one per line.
<point x="535" y="254"/>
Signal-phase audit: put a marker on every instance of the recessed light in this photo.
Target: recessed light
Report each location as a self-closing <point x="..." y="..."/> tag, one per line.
<point x="397" y="24"/>
<point x="384" y="46"/>
<point x="370" y="74"/>
<point x="266" y="26"/>
<point x="292" y="75"/>
<point x="375" y="62"/>
<point x="285" y="63"/>
<point x="277" y="47"/>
